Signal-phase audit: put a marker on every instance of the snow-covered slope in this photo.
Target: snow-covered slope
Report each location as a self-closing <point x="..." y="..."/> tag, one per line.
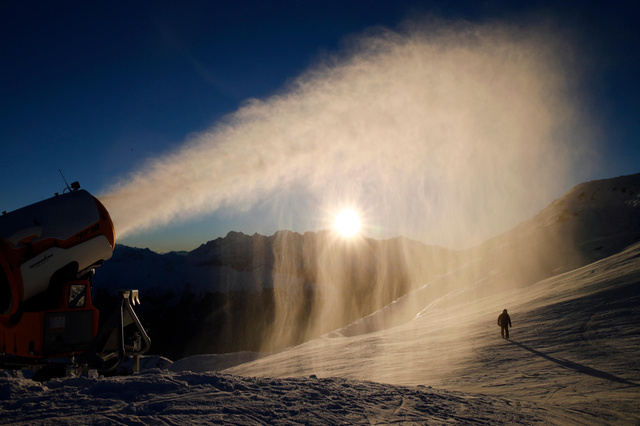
<point x="164" y="398"/>
<point x="572" y="359"/>
<point x="573" y="350"/>
<point x="205" y="297"/>
<point x="434" y="355"/>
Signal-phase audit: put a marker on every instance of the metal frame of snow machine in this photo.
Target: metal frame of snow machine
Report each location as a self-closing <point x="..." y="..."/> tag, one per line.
<point x="48" y="254"/>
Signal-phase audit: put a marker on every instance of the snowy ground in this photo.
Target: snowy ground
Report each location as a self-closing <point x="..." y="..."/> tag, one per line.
<point x="161" y="397"/>
<point x="573" y="351"/>
<point x="572" y="358"/>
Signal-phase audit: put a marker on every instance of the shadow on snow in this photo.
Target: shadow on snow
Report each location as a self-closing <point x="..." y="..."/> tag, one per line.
<point x="580" y="368"/>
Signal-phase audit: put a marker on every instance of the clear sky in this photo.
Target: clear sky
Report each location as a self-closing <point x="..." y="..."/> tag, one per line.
<point x="96" y="89"/>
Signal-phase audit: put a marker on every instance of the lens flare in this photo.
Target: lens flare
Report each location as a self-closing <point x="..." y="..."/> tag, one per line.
<point x="347" y="223"/>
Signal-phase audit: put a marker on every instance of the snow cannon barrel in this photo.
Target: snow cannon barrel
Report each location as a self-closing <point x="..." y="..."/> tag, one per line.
<point x="51" y="242"/>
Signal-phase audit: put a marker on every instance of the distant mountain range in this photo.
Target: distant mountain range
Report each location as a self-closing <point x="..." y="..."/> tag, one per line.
<point x="264" y="293"/>
<point x="223" y="296"/>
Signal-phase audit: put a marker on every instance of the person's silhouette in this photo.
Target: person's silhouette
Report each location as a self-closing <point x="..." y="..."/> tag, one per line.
<point x="504" y="321"/>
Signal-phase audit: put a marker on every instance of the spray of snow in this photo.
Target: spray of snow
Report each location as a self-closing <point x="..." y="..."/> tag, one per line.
<point x="426" y="127"/>
<point x="432" y="131"/>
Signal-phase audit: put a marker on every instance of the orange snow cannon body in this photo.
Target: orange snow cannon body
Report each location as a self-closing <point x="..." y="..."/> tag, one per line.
<point x="48" y="253"/>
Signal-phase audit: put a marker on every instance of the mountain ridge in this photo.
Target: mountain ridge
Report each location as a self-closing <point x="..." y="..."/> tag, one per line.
<point x="239" y="278"/>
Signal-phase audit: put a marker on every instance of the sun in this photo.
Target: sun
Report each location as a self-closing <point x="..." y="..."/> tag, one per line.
<point x="347" y="223"/>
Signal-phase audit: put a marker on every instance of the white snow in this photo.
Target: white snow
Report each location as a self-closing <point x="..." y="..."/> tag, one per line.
<point x="573" y="348"/>
<point x="572" y="358"/>
<point x="160" y="397"/>
<point x="434" y="356"/>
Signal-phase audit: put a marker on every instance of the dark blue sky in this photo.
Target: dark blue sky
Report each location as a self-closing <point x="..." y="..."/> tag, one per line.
<point x="96" y="88"/>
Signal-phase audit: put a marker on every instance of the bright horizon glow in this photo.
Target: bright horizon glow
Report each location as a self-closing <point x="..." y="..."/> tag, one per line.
<point x="440" y="155"/>
<point x="347" y="223"/>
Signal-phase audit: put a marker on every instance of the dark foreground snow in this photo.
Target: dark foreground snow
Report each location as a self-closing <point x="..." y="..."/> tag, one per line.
<point x="167" y="398"/>
<point x="573" y="359"/>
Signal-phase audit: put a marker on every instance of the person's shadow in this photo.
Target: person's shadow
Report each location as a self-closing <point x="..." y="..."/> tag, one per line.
<point x="580" y="368"/>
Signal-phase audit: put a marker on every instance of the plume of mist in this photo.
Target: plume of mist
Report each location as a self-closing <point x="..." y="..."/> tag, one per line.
<point x="446" y="133"/>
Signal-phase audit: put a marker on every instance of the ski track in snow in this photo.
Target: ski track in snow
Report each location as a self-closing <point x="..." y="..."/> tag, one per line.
<point x="170" y="398"/>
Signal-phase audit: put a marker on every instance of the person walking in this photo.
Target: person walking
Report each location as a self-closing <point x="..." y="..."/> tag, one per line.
<point x="504" y="321"/>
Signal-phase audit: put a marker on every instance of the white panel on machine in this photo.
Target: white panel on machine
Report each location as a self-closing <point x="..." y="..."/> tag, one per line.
<point x="37" y="272"/>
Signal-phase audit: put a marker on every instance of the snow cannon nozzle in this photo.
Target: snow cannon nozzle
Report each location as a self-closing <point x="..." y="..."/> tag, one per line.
<point x="48" y="254"/>
<point x="51" y="242"/>
<point x="132" y="295"/>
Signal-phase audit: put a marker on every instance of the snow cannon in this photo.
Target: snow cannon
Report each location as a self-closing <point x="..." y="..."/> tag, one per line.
<point x="48" y="243"/>
<point x="48" y="254"/>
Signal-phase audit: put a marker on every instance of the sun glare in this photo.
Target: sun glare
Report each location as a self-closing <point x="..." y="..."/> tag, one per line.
<point x="347" y="223"/>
